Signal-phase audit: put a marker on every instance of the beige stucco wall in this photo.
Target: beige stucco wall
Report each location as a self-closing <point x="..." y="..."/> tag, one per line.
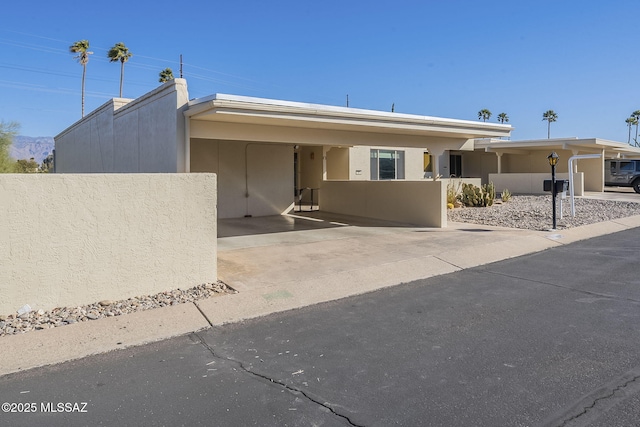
<point x="593" y="173"/>
<point x="359" y="163"/>
<point x="532" y="183"/>
<point x="73" y="239"/>
<point x="534" y="162"/>
<point x="421" y="203"/>
<point x="479" y="164"/>
<point x="338" y="163"/>
<point x="253" y="178"/>
<point x="142" y="135"/>
<point x="88" y="146"/>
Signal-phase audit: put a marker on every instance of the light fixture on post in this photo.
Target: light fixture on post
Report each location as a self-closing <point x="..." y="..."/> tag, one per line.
<point x="553" y="160"/>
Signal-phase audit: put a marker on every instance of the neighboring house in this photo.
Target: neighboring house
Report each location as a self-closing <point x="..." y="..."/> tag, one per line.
<point x="521" y="166"/>
<point x="363" y="162"/>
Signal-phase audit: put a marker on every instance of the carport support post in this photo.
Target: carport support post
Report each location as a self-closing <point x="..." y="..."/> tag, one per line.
<point x="325" y="150"/>
<point x="436" y="152"/>
<point x="553" y="159"/>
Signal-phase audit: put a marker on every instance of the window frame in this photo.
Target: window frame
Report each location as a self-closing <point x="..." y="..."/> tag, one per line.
<point x="399" y="164"/>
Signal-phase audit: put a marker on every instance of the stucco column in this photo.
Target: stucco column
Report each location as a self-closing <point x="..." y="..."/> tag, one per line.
<point x="435" y="153"/>
<point x="499" y="156"/>
<point x="325" y="150"/>
<point x="187" y="145"/>
<point x="602" y="169"/>
<point x="575" y="164"/>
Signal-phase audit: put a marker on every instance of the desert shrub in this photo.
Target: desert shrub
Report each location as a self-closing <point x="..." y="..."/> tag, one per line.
<point x="453" y="192"/>
<point x="505" y="195"/>
<point x="478" y="196"/>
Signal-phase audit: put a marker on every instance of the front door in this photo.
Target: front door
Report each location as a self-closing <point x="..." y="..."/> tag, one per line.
<point x="455" y="165"/>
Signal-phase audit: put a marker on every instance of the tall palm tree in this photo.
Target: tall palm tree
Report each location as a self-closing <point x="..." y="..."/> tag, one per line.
<point x="166" y="75"/>
<point x="636" y="115"/>
<point x="484" y="114"/>
<point x="550" y="116"/>
<point x="502" y="118"/>
<point x="119" y="52"/>
<point x="81" y="47"/>
<point x="630" y="122"/>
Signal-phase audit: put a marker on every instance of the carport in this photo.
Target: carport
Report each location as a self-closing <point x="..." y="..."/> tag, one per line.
<point x="252" y="144"/>
<point x="521" y="166"/>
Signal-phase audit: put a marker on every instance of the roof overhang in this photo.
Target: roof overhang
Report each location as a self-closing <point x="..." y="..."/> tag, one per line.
<point x="581" y="145"/>
<point x="232" y="109"/>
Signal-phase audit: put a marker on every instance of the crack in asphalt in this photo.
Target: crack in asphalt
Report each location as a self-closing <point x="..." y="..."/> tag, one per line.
<point x="280" y="383"/>
<point x="569" y="288"/>
<point x="597" y="400"/>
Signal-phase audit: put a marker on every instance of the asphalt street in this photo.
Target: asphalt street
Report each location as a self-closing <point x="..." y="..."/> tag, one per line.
<point x="550" y="339"/>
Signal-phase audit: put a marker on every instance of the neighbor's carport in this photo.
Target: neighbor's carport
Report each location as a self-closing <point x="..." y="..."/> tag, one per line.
<point x="250" y="144"/>
<point x="521" y="166"/>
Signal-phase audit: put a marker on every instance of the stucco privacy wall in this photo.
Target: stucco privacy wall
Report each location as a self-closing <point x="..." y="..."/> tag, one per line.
<point x="141" y="135"/>
<point x="532" y="183"/>
<point x="72" y="239"/>
<point x="421" y="203"/>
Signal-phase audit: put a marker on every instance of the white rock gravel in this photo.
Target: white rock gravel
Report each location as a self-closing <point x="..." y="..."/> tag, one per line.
<point x="40" y="319"/>
<point x="535" y="212"/>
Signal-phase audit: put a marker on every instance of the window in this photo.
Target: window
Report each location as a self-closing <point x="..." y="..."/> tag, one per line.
<point x="387" y="164"/>
<point x="626" y="167"/>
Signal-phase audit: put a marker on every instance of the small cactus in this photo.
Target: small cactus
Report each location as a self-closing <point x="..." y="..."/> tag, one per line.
<point x="488" y="194"/>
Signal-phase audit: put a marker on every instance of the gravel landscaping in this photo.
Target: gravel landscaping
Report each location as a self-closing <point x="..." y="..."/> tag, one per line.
<point x="40" y="319"/>
<point x="535" y="212"/>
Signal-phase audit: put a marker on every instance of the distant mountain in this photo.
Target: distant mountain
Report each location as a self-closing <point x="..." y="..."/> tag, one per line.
<point x="26" y="147"/>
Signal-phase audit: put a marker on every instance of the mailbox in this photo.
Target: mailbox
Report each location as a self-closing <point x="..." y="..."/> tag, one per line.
<point x="562" y="185"/>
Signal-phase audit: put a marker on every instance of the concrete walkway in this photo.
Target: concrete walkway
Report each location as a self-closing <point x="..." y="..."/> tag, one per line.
<point x="296" y="261"/>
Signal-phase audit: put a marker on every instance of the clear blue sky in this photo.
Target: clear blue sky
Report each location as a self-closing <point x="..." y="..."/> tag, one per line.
<point x="440" y="58"/>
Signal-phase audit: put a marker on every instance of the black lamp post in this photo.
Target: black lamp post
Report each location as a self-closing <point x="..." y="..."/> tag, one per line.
<point x="553" y="159"/>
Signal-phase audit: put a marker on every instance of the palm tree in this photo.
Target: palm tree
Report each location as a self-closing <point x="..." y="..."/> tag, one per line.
<point x="550" y="116"/>
<point x="484" y="114"/>
<point x="630" y="122"/>
<point x="636" y="115"/>
<point x="81" y="47"/>
<point x="502" y="118"/>
<point x="166" y="75"/>
<point x="119" y="52"/>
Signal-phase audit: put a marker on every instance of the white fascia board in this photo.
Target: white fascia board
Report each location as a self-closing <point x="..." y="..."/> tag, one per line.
<point x="242" y="103"/>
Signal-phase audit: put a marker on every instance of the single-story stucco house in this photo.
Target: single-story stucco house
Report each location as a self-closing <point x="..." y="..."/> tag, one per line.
<point x="361" y="162"/>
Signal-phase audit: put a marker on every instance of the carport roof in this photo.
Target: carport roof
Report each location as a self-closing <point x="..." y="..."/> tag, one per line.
<point x="260" y="111"/>
<point x="582" y="145"/>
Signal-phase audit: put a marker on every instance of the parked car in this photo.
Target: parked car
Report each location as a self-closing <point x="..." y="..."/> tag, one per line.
<point x="622" y="173"/>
